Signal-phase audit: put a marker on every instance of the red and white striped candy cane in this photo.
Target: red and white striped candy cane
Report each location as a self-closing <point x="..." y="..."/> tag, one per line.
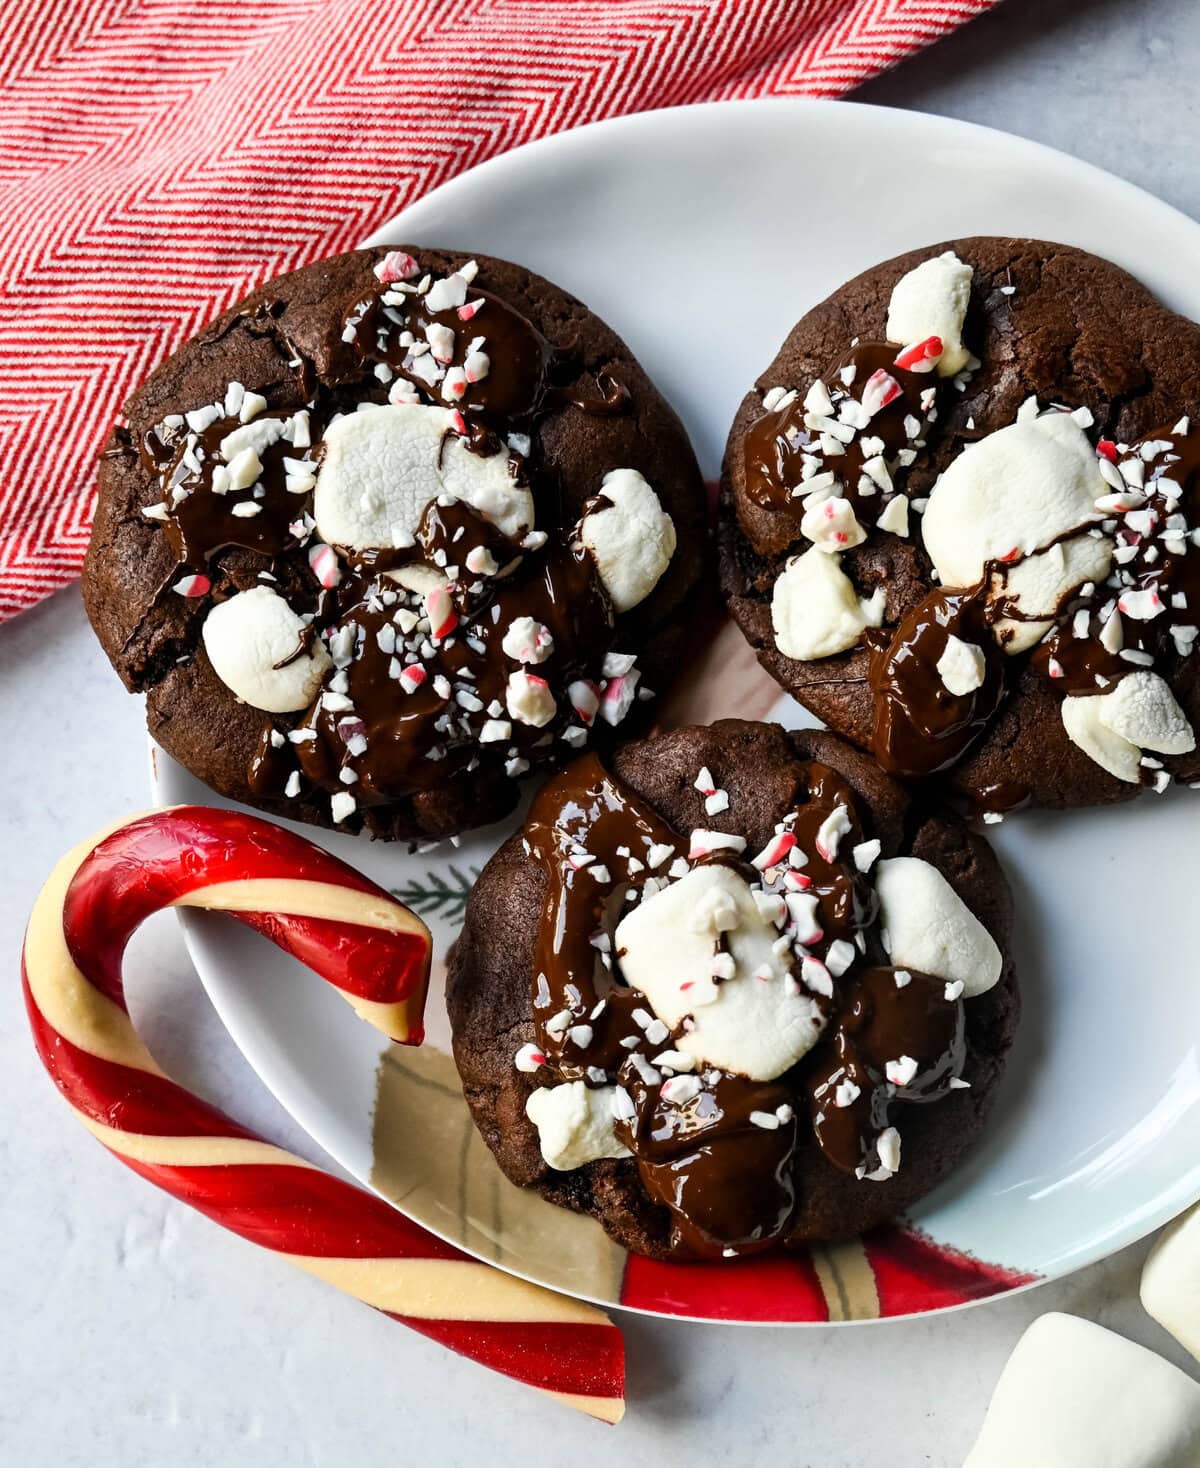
<point x="376" y="954"/>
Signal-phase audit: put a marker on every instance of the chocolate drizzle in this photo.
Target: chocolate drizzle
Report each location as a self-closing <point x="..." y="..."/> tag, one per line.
<point x="391" y="328"/>
<point x="614" y="398"/>
<point x="920" y="726"/>
<point x="881" y="1022"/>
<point x="787" y="446"/>
<point x="393" y="741"/>
<point x="1149" y="559"/>
<point x="714" y="1148"/>
<point x="204" y="518"/>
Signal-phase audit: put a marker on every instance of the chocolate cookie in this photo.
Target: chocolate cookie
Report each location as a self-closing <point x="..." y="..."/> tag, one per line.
<point x="735" y="990"/>
<point x="391" y="532"/>
<point x="960" y="522"/>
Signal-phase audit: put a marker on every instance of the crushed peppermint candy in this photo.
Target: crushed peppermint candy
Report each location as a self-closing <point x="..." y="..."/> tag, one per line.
<point x="529" y="1058"/>
<point x="704" y="843"/>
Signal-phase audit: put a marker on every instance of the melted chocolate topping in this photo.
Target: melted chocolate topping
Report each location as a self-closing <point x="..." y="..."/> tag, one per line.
<point x="391" y="328"/>
<point x="920" y="726"/>
<point x="707" y="1151"/>
<point x="888" y="1016"/>
<point x="780" y="447"/>
<point x="394" y="741"/>
<point x="1148" y="559"/>
<point x="203" y="515"/>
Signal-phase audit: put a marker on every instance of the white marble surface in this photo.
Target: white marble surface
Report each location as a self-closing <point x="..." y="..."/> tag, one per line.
<point x="136" y="1333"/>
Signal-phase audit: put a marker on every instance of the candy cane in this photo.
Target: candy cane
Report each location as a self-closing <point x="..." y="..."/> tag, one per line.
<point x="376" y="954"/>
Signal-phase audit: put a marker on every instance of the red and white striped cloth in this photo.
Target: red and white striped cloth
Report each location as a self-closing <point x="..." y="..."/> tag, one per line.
<point x="158" y="158"/>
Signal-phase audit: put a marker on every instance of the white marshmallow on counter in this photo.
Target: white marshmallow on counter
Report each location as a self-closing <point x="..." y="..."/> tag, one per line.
<point x="631" y="540"/>
<point x="753" y="1026"/>
<point x="927" y="926"/>
<point x="383" y="465"/>
<point x="962" y="666"/>
<point x="1074" y="1395"/>
<point x="1139" y="713"/>
<point x="931" y="300"/>
<point x="815" y="609"/>
<point x="247" y="635"/>
<point x="575" y="1124"/>
<point x="1171" y="1281"/>
<point x="1018" y="489"/>
<point x="1041" y="583"/>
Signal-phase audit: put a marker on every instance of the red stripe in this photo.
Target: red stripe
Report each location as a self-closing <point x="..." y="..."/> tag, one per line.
<point x="154" y="861"/>
<point x="370" y="962"/>
<point x="914" y="1274"/>
<point x="121" y="1096"/>
<point x="297" y="1210"/>
<point x="771" y="1287"/>
<point x="587" y="1360"/>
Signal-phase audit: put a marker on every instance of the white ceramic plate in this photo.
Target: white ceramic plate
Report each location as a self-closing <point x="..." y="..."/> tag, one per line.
<point x="701" y="234"/>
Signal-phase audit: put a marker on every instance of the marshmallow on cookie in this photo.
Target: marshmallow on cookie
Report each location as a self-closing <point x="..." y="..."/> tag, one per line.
<point x="630" y="536"/>
<point x="816" y="611"/>
<point x="756" y="1020"/>
<point x="261" y="650"/>
<point x="1114" y="728"/>
<point x="381" y="466"/>
<point x="925" y="924"/>
<point x="1010" y="502"/>
<point x="931" y="301"/>
<point x="575" y="1124"/>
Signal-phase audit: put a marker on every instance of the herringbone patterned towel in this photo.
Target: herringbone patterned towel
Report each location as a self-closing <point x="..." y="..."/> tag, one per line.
<point x="160" y="157"/>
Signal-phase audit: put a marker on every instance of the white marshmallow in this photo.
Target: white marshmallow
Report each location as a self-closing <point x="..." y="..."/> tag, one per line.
<point x="815" y="610"/>
<point x="1142" y="709"/>
<point x="747" y="1025"/>
<point x="247" y="635"/>
<point x="931" y="300"/>
<point x="961" y="666"/>
<point x="632" y="540"/>
<point x="832" y="525"/>
<point x="575" y="1124"/>
<point x="529" y="699"/>
<point x="1017" y="489"/>
<point x="1041" y="583"/>
<point x="929" y="927"/>
<point x="1112" y="752"/>
<point x="1113" y="728"/>
<point x="1171" y="1281"/>
<point x="383" y="465"/>
<point x="1074" y="1395"/>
